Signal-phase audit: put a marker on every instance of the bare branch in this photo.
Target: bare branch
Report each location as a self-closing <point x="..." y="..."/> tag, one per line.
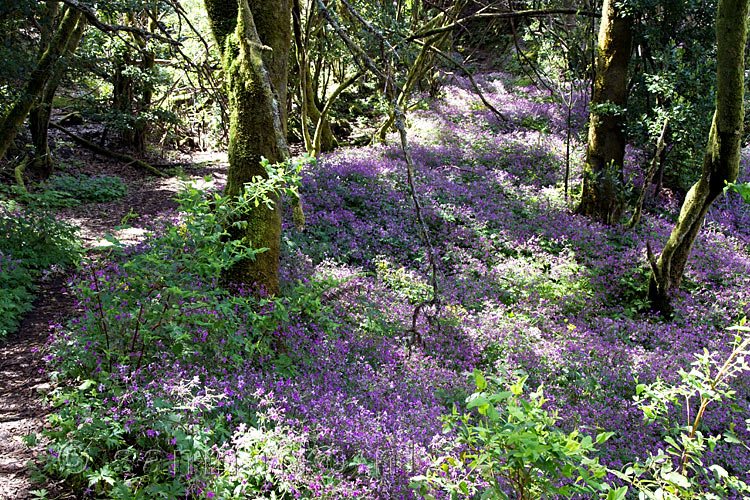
<point x="114" y="28"/>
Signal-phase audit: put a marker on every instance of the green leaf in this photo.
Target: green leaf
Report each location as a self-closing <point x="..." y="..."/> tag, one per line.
<point x="603" y="436"/>
<point x="480" y="380"/>
<point x="617" y="494"/>
<point x="464" y="489"/>
<point x="676" y="478"/>
<point x="85" y="385"/>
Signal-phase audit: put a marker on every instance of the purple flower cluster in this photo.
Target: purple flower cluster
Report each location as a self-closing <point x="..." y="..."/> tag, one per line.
<point x="525" y="284"/>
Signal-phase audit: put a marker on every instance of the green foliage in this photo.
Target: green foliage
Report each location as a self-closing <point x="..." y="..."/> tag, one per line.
<point x="17" y="50"/>
<point x="15" y="293"/>
<point x="677" y="472"/>
<point x="32" y="233"/>
<point x="162" y="300"/>
<point x="676" y="80"/>
<point x="32" y="240"/>
<point x="162" y="297"/>
<point x="404" y="282"/>
<point x="538" y="123"/>
<point x="508" y="443"/>
<point x="741" y="189"/>
<point x="88" y="189"/>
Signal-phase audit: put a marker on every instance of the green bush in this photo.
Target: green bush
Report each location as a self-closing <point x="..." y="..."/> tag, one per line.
<point x="678" y="472"/>
<point x="32" y="240"/>
<point x="32" y="233"/>
<point x="88" y="189"/>
<point x="507" y="446"/>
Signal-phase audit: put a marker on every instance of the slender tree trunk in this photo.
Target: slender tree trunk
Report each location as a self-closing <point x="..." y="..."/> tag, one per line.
<point x="16" y="115"/>
<point x="40" y="115"/>
<point x="327" y="140"/>
<point x="602" y="171"/>
<point x="254" y="38"/>
<point x="722" y="158"/>
<point x="310" y="106"/>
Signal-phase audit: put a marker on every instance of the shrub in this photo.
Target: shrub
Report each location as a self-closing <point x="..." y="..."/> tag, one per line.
<point x="677" y="472"/>
<point x="32" y="233"/>
<point x="136" y="418"/>
<point x="507" y="446"/>
<point x="15" y="293"/>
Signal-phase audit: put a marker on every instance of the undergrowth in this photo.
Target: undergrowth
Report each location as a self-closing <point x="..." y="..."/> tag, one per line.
<point x="32" y="240"/>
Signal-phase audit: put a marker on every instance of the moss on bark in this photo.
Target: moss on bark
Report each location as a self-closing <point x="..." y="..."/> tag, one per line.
<point x="602" y="170"/>
<point x="39" y="116"/>
<point x="16" y="115"/>
<point x="256" y="79"/>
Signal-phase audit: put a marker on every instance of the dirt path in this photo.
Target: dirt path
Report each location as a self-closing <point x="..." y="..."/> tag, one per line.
<point x="23" y="376"/>
<point x="24" y="380"/>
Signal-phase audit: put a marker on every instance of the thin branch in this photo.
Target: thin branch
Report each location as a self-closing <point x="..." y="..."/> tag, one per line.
<point x="370" y="28"/>
<point x="114" y="28"/>
<point x="649" y="176"/>
<point x="319" y="125"/>
<point x="360" y="56"/>
<point x="474" y="85"/>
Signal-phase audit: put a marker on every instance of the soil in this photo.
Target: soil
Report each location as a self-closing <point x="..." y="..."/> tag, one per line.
<point x="24" y="379"/>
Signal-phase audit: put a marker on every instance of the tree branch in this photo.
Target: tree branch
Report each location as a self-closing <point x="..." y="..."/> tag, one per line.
<point x="504" y="15"/>
<point x="114" y="28"/>
<point x="471" y="79"/>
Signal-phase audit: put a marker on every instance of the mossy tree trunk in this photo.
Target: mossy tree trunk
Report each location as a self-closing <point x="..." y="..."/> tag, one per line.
<point x="39" y="116"/>
<point x="722" y="157"/>
<point x="16" y="115"/>
<point x="255" y="38"/>
<point x="602" y="171"/>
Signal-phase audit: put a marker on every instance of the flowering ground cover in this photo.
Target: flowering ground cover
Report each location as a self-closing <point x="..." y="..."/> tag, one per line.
<point x="182" y="390"/>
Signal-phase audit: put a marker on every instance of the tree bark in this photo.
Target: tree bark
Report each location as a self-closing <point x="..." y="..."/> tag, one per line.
<point x="602" y="171"/>
<point x="254" y="38"/>
<point x="722" y="157"/>
<point x="16" y="115"/>
<point x="39" y="117"/>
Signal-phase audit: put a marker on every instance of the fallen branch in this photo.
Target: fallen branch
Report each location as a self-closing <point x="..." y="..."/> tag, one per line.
<point x="129" y="160"/>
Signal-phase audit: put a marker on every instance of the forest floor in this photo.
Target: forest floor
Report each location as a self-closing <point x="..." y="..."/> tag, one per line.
<point x="526" y="286"/>
<point x="25" y="380"/>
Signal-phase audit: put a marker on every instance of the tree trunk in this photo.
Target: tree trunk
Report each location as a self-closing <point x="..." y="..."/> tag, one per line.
<point x="256" y="80"/>
<point x="131" y="97"/>
<point x="327" y="140"/>
<point x="40" y="115"/>
<point x="722" y="158"/>
<point x="602" y="171"/>
<point x="17" y="114"/>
